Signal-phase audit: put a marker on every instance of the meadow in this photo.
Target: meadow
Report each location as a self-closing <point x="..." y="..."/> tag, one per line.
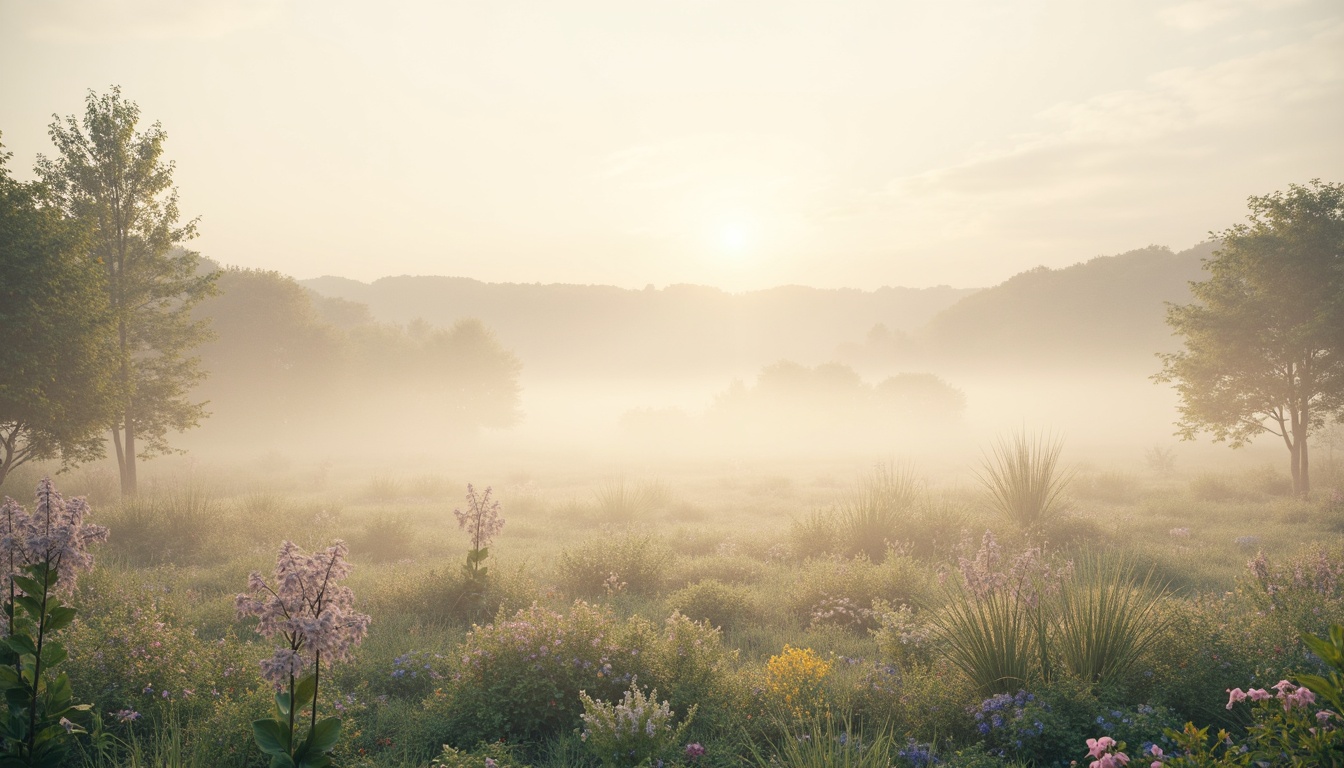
<point x="792" y="614"/>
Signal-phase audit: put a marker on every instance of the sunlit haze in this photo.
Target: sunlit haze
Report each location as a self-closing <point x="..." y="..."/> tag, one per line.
<point x="734" y="143"/>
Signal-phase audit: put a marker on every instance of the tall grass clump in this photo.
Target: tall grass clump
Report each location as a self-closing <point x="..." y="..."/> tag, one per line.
<point x="834" y="742"/>
<point x="996" y="617"/>
<point x="622" y="502"/>
<point x="1024" y="480"/>
<point x="871" y="519"/>
<point x="1106" y="618"/>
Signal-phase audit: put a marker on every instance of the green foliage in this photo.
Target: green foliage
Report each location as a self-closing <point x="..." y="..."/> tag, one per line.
<point x="113" y="180"/>
<point x="817" y="587"/>
<point x="520" y="676"/>
<point x="992" y="638"/>
<point x="629" y="562"/>
<point x="637" y="731"/>
<point x="830" y="741"/>
<point x="502" y="755"/>
<point x="1330" y="650"/>
<point x="1264" y="340"/>
<point x="37" y="729"/>
<point x="1104" y="619"/>
<point x="715" y="603"/>
<point x="870" y="520"/>
<point x="1024" y="482"/>
<point x="57" y="394"/>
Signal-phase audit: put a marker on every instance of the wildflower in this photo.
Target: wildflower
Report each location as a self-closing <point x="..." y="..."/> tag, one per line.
<point x="55" y="533"/>
<point x="490" y="763"/>
<point x="1098" y="747"/>
<point x="126" y="715"/>
<point x="481" y="518"/>
<point x="311" y="612"/>
<point x="1235" y="696"/>
<point x="1257" y="694"/>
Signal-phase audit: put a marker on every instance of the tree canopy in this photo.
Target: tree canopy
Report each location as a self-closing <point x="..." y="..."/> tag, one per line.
<point x="56" y="395"/>
<point x="112" y="178"/>
<point x="1264" y="339"/>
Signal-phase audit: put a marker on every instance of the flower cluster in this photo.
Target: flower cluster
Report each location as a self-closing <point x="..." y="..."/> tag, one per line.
<point x="55" y="533"/>
<point x="842" y="612"/>
<point x="796" y="679"/>
<point x="1289" y="694"/>
<point x="1107" y="753"/>
<point x="313" y="614"/>
<point x="1027" y="577"/>
<point x="638" y="730"/>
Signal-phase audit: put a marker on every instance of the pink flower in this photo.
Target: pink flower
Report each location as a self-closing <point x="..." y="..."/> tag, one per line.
<point x="1235" y="695"/>
<point x="1099" y="747"/>
<point x="1257" y="694"/>
<point x="1155" y="750"/>
<point x="1324" y="716"/>
<point x="1299" y="698"/>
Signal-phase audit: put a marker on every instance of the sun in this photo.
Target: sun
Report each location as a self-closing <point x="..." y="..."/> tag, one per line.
<point x="735" y="242"/>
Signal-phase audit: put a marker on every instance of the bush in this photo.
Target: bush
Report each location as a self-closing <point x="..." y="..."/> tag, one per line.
<point x="717" y="604"/>
<point x="687" y="660"/>
<point x="795" y="684"/>
<point x="816" y="588"/>
<point x="636" y="731"/>
<point x="629" y="563"/>
<point x="519" y="678"/>
<point x="385" y="538"/>
<point x="871" y="519"/>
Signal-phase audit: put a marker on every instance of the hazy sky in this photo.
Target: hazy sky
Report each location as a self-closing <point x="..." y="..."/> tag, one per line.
<point x="738" y="143"/>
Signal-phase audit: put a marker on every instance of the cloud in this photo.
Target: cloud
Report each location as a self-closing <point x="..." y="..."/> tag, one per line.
<point x="1232" y="109"/>
<point x="73" y="21"/>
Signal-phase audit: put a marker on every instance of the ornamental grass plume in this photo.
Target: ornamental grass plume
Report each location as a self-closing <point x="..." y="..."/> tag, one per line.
<point x="315" y="618"/>
<point x="1024" y="481"/>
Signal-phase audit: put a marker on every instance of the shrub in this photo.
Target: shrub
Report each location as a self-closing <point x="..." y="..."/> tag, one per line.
<point x="634" y="561"/>
<point x="519" y="678"/>
<point x="859" y="581"/>
<point x="795" y="683"/>
<point x="871" y="519"/>
<point x="902" y="636"/>
<point x="687" y="660"/>
<point x="490" y="754"/>
<point x="385" y="538"/>
<point x="1023" y="480"/>
<point x="636" y="731"/>
<point x="814" y="535"/>
<point x="717" y="604"/>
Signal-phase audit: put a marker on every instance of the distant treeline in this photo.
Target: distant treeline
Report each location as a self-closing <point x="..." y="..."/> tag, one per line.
<point x="1108" y="311"/>
<point x="288" y="363"/>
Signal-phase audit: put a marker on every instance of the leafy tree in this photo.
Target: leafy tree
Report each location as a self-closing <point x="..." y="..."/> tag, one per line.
<point x="56" y="395"/>
<point x="112" y="177"/>
<point x="1264" y="340"/>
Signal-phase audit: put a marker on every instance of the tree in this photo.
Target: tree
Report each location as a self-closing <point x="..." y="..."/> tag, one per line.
<point x="112" y="178"/>
<point x="1264" y="340"/>
<point x="56" y="394"/>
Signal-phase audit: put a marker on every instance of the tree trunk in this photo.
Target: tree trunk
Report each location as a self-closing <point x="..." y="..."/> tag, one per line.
<point x="1295" y="454"/>
<point x="1304" y="491"/>
<point x="128" y="478"/>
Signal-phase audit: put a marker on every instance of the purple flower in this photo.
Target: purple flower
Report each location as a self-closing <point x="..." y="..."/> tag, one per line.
<point x="307" y="609"/>
<point x="694" y="750"/>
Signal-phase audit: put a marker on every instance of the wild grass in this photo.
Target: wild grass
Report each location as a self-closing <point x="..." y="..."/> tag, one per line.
<point x="992" y="638"/>
<point x="830" y="741"/>
<point x="1024" y="481"/>
<point x="1106" y="617"/>
<point x="870" y="519"/>
<point x="624" y="502"/>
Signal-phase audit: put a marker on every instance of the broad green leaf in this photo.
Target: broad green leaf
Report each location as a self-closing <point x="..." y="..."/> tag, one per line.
<point x="53" y="654"/>
<point x="22" y="644"/>
<point x="272" y="737"/>
<point x="304" y="691"/>
<point x="60" y="618"/>
<point x="324" y="735"/>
